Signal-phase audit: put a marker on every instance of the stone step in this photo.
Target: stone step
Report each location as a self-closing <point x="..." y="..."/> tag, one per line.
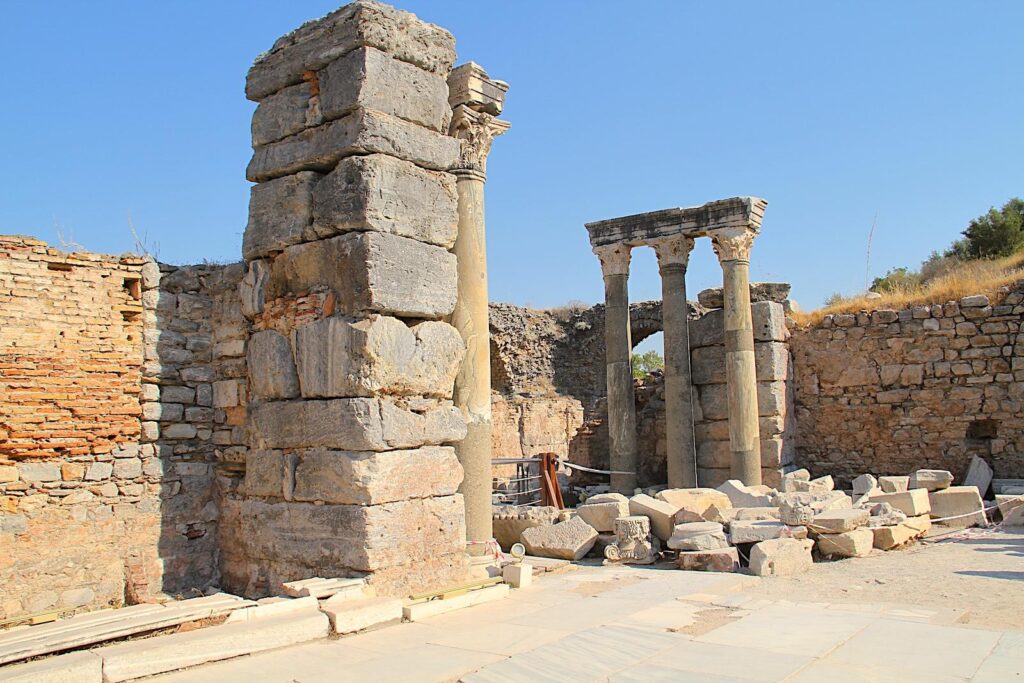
<point x="350" y="615"/>
<point x="75" y="667"/>
<point x="138" y="658"/>
<point x="318" y="587"/>
<point x="430" y="608"/>
<point x="274" y="607"/>
<point x="97" y="627"/>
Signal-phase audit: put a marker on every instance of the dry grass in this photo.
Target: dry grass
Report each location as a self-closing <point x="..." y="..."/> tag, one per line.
<point x="973" y="277"/>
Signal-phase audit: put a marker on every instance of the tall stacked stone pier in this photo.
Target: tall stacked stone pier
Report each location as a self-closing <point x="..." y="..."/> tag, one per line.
<point x="618" y="347"/>
<point x="732" y="225"/>
<point x="681" y="455"/>
<point x="351" y="468"/>
<point x="732" y="245"/>
<point x="475" y="99"/>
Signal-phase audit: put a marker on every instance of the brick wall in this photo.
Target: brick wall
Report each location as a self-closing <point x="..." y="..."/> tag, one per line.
<point x="889" y="391"/>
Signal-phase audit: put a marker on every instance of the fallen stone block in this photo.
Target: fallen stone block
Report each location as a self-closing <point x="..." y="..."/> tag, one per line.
<point x="1015" y="518"/>
<point x="349" y="616"/>
<point x="931" y="480"/>
<point x="362" y="132"/>
<point x="793" y="481"/>
<point x="1007" y="503"/>
<point x="1008" y="486"/>
<point x="659" y="512"/>
<point x="151" y="656"/>
<point x="602" y="516"/>
<point x="692" y="504"/>
<point x="818" y="501"/>
<point x="517" y="575"/>
<point x="856" y="543"/>
<point x="693" y="536"/>
<point x="316" y="44"/>
<point x="274" y="607"/>
<point x="957" y="506"/>
<point x="839" y="521"/>
<point x="911" y="503"/>
<point x="569" y="540"/>
<point x="371" y="272"/>
<point x="370" y="478"/>
<point x="865" y="483"/>
<point x="893" y="484"/>
<point x="606" y="497"/>
<point x="742" y="496"/>
<point x="431" y="608"/>
<point x="718" y="560"/>
<point x="781" y="557"/>
<point x="889" y="537"/>
<point x="979" y="474"/>
<point x="755" y="532"/>
<point x="354" y="424"/>
<point x="510" y="521"/>
<point x="74" y="667"/>
<point x="338" y="357"/>
<point x="883" y="514"/>
<point x="380" y="193"/>
<point x="729" y="515"/>
<point x="318" y="587"/>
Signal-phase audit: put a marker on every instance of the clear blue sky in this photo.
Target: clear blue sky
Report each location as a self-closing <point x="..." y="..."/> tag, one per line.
<point x="833" y="111"/>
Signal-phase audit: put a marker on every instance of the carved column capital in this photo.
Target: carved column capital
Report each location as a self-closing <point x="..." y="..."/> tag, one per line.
<point x="476" y="131"/>
<point x="614" y="259"/>
<point x="733" y="244"/>
<point x="673" y="251"/>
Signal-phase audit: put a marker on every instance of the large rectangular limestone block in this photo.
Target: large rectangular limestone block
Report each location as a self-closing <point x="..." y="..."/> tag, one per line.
<point x="602" y="516"/>
<point x="371" y="273"/>
<point x="383" y="194"/>
<point x="769" y="323"/>
<point x="432" y="608"/>
<point x="284" y="113"/>
<point x="138" y="658"/>
<point x="280" y="214"/>
<point x="718" y="454"/>
<point x="347" y="478"/>
<point x="271" y="366"/>
<point x="771" y="400"/>
<point x="265" y="474"/>
<point x="352" y="538"/>
<point x="317" y="43"/>
<point x="771" y="361"/>
<point x="569" y="540"/>
<point x="961" y="503"/>
<point x="367" y="77"/>
<point x="377" y="355"/>
<point x="659" y="512"/>
<point x="361" y="132"/>
<point x="354" y="424"/>
<point x="912" y="503"/>
<point x="358" y="615"/>
<point x="74" y="667"/>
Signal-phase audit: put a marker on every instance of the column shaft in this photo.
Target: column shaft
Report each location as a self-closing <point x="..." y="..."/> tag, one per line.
<point x="682" y="466"/>
<point x="473" y="383"/>
<point x="621" y="405"/>
<point x="744" y="431"/>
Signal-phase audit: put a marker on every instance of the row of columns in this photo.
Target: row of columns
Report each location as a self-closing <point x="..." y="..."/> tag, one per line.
<point x="732" y="245"/>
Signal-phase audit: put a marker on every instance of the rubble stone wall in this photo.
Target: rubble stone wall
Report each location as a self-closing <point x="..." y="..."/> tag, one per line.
<point x="106" y="428"/>
<point x="349" y="277"/>
<point x="891" y="391"/>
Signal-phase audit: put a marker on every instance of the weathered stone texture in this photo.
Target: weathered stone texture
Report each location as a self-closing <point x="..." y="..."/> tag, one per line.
<point x="271" y="366"/>
<point x="280" y="214"/>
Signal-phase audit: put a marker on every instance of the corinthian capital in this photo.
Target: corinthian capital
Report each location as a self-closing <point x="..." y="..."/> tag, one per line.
<point x="476" y="131"/>
<point x="673" y="251"/>
<point x="733" y="244"/>
<point x="614" y="259"/>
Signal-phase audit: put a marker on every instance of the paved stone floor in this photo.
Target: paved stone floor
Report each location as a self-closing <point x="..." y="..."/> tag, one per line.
<point x="643" y="624"/>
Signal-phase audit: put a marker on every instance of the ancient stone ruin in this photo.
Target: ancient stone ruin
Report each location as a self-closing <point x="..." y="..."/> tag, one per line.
<point x="322" y="420"/>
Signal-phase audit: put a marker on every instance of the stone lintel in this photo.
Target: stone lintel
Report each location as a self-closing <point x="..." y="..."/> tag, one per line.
<point x="695" y="221"/>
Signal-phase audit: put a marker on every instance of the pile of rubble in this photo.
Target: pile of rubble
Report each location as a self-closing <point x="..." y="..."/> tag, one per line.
<point x="766" y="531"/>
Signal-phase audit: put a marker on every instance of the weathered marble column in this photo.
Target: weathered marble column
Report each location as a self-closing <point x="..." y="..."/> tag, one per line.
<point x="733" y="248"/>
<point x="474" y="124"/>
<point x="618" y="347"/>
<point x="673" y="255"/>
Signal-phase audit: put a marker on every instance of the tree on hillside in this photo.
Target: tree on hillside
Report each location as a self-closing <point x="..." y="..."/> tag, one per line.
<point x="645" y="363"/>
<point x="997" y="233"/>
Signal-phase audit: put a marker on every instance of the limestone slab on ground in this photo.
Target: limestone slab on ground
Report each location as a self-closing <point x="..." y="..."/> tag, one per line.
<point x="692" y="536"/>
<point x="730" y="515"/>
<point x="431" y="608"/>
<point x="889" y="537"/>
<point x="856" y="543"/>
<point x="380" y="193"/>
<point x="274" y="607"/>
<point x="979" y="474"/>
<point x="692" y="504"/>
<point x="958" y="506"/>
<point x="840" y="521"/>
<point x="781" y="557"/>
<point x="508" y="522"/>
<point x="135" y="659"/>
<point x="742" y="496"/>
<point x="319" y="587"/>
<point x="865" y="483"/>
<point x="570" y="540"/>
<point x="602" y="516"/>
<point x="912" y="503"/>
<point x="349" y="616"/>
<point x="932" y="480"/>
<point x="659" y="512"/>
<point x="893" y="484"/>
<point x="718" y="560"/>
<point x="74" y="667"/>
<point x="755" y="532"/>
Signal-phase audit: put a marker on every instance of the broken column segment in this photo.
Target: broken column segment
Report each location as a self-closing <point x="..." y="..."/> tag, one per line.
<point x="349" y="284"/>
